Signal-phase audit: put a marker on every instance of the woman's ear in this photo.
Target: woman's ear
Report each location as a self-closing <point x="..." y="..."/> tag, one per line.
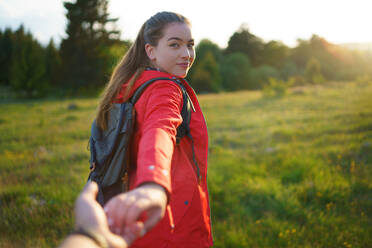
<point x="150" y="51"/>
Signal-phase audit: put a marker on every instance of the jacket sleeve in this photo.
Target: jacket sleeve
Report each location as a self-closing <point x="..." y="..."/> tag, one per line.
<point x="162" y="116"/>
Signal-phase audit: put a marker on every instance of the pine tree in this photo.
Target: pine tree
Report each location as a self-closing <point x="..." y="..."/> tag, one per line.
<point x="247" y="43"/>
<point x="6" y="48"/>
<point x="52" y="64"/>
<point x="27" y="70"/>
<point x="84" y="60"/>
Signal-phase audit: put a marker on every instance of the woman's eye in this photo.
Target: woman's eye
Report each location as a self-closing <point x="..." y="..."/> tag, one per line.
<point x="191" y="45"/>
<point x="174" y="45"/>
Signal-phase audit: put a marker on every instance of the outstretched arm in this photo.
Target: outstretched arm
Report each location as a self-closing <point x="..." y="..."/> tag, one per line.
<point x="160" y="116"/>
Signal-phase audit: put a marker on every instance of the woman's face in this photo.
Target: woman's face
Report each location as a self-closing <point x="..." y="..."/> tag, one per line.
<point x="175" y="51"/>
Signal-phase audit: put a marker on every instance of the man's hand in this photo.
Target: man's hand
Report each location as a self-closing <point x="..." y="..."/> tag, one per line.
<point x="125" y="210"/>
<point x="90" y="215"/>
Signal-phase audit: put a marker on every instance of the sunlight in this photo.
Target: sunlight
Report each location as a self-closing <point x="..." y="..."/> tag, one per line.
<point x="339" y="22"/>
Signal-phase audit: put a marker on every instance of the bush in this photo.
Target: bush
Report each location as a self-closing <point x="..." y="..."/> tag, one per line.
<point x="235" y="71"/>
<point x="363" y="80"/>
<point x="289" y="69"/>
<point x="297" y="80"/>
<point x="6" y="94"/>
<point x="313" y="72"/>
<point x="206" y="76"/>
<point x="276" y="88"/>
<point x="260" y="75"/>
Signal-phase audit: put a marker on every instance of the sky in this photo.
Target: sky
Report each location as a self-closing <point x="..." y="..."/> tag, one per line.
<point x="338" y="21"/>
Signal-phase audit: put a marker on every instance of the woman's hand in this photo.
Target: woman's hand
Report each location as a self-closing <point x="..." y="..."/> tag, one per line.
<point x="125" y="210"/>
<point x="90" y="215"/>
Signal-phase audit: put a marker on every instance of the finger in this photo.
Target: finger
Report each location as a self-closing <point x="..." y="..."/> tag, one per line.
<point x="90" y="190"/>
<point x="107" y="209"/>
<point x="133" y="231"/>
<point x="87" y="210"/>
<point x="88" y="194"/>
<point x="116" y="212"/>
<point x="135" y="210"/>
<point x="154" y="216"/>
<point x="113" y="214"/>
<point x="154" y="213"/>
<point x="116" y="241"/>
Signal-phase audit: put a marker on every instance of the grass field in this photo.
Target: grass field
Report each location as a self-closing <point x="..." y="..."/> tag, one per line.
<point x="294" y="171"/>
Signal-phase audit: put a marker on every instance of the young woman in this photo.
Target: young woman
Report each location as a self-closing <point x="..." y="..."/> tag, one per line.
<point x="165" y="183"/>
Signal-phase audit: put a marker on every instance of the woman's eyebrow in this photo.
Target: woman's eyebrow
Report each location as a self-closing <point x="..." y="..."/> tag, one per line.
<point x="176" y="38"/>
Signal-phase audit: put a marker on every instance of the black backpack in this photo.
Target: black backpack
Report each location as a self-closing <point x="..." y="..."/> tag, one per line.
<point x="109" y="149"/>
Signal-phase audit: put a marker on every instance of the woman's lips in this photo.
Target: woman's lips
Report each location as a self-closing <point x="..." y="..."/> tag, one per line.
<point x="184" y="65"/>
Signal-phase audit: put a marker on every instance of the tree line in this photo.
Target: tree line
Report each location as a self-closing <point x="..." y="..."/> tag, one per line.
<point x="83" y="62"/>
<point x="248" y="63"/>
<point x="81" y="65"/>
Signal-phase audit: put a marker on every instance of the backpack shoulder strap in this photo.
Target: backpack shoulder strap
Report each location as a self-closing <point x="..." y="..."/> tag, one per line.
<point x="137" y="94"/>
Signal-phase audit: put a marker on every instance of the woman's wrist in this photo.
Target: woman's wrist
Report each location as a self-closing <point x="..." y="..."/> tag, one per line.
<point x="153" y="185"/>
<point x="158" y="187"/>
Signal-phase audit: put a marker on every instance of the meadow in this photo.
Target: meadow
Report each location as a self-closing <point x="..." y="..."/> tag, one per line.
<point x="292" y="171"/>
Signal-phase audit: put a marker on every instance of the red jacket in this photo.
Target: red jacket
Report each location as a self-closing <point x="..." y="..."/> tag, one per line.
<point x="159" y="159"/>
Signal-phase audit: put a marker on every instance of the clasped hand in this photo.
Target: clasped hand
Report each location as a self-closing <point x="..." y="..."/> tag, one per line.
<point x="119" y="223"/>
<point x="125" y="210"/>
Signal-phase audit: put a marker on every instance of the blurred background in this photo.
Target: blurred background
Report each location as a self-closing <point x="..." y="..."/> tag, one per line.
<point x="285" y="87"/>
<point x="73" y="46"/>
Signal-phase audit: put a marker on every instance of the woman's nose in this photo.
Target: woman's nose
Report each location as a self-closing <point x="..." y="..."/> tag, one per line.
<point x="186" y="53"/>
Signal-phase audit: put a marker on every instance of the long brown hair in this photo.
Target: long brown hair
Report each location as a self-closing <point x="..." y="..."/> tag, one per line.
<point x="134" y="61"/>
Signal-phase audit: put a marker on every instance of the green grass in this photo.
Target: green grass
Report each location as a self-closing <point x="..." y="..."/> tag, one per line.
<point x="294" y="171"/>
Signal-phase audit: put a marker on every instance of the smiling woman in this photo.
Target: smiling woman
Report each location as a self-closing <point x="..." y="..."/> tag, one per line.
<point x="174" y="52"/>
<point x="168" y="169"/>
